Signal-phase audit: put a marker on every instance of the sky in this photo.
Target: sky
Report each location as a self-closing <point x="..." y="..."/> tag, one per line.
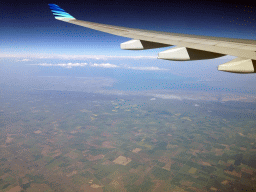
<point x="33" y="44"/>
<point x="30" y="28"/>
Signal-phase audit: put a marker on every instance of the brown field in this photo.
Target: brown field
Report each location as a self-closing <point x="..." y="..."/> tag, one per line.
<point x="72" y="155"/>
<point x="218" y="152"/>
<point x="136" y="150"/>
<point x="71" y="174"/>
<point x="95" y="186"/>
<point x="46" y="149"/>
<point x="8" y="140"/>
<point x="225" y="182"/>
<point x="57" y="153"/>
<point x="187" y="183"/>
<point x="107" y="144"/>
<point x="15" y="189"/>
<point x="204" y="163"/>
<point x="121" y="160"/>
<point x="94" y="158"/>
<point x="249" y="171"/>
<point x="167" y="166"/>
<point x="234" y="173"/>
<point x="38" y="187"/>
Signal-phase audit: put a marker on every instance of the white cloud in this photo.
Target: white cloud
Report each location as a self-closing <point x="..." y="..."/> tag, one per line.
<point x="146" y="68"/>
<point x="57" y="56"/>
<point x="167" y="96"/>
<point x="104" y="57"/>
<point x="25" y="60"/>
<point x="104" y="65"/>
<point x="66" y="65"/>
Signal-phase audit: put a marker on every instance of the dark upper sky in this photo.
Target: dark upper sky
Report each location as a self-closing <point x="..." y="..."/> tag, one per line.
<point x="30" y="28"/>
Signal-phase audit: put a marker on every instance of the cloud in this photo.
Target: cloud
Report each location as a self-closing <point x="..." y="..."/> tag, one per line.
<point x="104" y="65"/>
<point x="66" y="65"/>
<point x="146" y="68"/>
<point x="98" y="57"/>
<point x="57" y="56"/>
<point x="167" y="96"/>
<point x="102" y="57"/>
<point x="25" y="60"/>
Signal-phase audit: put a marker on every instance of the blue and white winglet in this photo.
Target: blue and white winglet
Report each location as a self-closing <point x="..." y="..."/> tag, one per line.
<point x="60" y="14"/>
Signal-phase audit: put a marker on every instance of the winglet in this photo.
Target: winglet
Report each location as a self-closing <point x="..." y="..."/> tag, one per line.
<point x="59" y="13"/>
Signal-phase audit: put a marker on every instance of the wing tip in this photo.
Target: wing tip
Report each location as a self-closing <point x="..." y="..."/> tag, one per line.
<point x="60" y="13"/>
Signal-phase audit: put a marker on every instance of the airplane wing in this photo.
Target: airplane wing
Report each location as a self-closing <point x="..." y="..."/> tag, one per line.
<point x="188" y="47"/>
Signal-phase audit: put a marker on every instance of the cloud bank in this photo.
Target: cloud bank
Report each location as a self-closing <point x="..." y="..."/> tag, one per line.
<point x="104" y="65"/>
<point x="146" y="68"/>
<point x="56" y="56"/>
<point x="100" y="65"/>
<point x="66" y="65"/>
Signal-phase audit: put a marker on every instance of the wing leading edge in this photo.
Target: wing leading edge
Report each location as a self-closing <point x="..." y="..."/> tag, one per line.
<point x="188" y="47"/>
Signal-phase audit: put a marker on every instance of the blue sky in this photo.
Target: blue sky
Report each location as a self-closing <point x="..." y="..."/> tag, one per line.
<point x="30" y="28"/>
<point x="34" y="45"/>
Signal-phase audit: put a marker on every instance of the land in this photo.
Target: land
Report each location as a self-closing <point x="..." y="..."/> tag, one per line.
<point x="71" y="141"/>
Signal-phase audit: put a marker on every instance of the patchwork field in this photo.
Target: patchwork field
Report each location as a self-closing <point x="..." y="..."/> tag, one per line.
<point x="97" y="143"/>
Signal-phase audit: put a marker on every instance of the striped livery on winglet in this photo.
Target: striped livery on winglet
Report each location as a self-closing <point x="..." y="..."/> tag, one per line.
<point x="59" y="13"/>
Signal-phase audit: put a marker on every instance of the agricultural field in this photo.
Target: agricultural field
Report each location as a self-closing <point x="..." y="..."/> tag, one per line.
<point x="71" y="141"/>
